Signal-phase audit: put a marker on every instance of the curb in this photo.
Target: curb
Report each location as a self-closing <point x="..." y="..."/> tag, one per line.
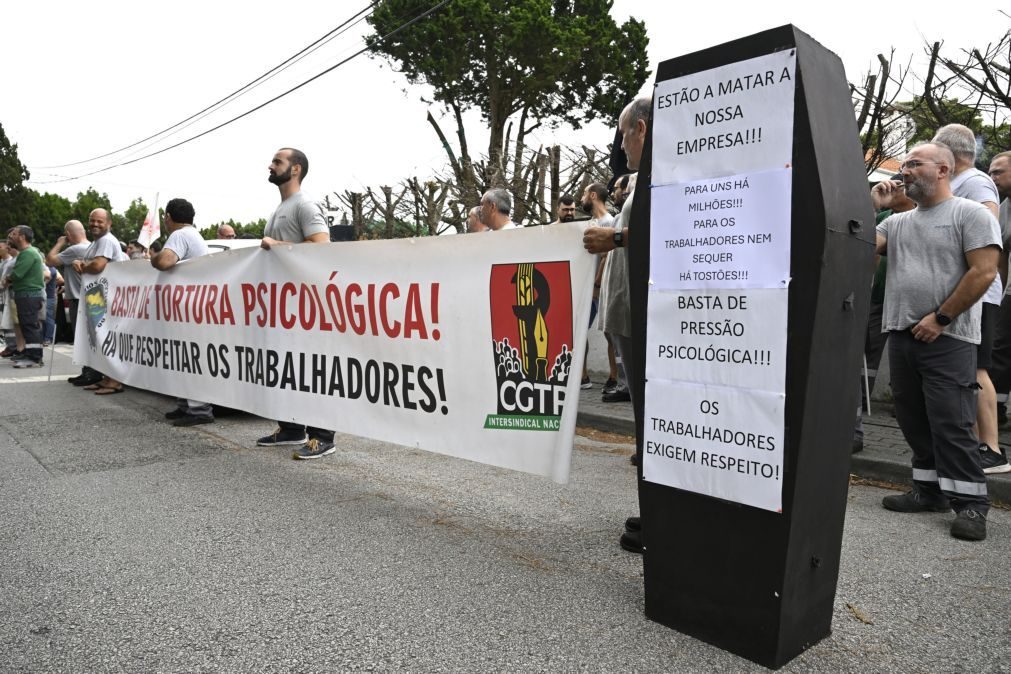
<point x="872" y="468"/>
<point x="606" y="423"/>
<point x="864" y="465"/>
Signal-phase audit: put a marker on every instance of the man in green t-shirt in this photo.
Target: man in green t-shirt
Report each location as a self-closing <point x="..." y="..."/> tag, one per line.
<point x="26" y="281"/>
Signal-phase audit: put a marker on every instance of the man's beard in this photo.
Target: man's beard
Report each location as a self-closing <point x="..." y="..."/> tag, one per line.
<point x="566" y="217"/>
<point x="280" y="179"/>
<point x="586" y="206"/>
<point x="918" y="190"/>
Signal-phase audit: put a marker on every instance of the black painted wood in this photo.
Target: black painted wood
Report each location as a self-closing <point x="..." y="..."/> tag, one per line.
<point x="757" y="583"/>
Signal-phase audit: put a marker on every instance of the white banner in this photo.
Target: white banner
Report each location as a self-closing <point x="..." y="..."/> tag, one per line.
<point x="724" y="442"/>
<point x="462" y="346"/>
<point x="734" y="119"/>
<point x="724" y="337"/>
<point x="731" y="232"/>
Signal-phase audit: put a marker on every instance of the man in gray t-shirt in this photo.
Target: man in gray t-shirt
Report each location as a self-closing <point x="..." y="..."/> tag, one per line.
<point x="942" y="256"/>
<point x="69" y="247"/>
<point x="184" y="243"/>
<point x="296" y="220"/>
<point x="104" y="249"/>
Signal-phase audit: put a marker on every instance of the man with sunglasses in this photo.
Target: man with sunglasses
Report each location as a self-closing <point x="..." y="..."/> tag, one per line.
<point x="942" y="256"/>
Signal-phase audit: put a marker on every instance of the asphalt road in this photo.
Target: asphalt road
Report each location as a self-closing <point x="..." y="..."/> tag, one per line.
<point x="130" y="545"/>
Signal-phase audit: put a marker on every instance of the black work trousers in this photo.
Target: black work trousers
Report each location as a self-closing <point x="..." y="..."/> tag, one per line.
<point x="935" y="402"/>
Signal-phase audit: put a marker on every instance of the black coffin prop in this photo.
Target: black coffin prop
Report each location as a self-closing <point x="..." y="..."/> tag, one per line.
<point x="757" y="583"/>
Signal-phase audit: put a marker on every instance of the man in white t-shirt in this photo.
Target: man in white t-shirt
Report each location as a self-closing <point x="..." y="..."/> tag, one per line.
<point x="594" y="203"/>
<point x="496" y="205"/>
<point x="1000" y="358"/>
<point x="970" y="183"/>
<point x="184" y="243"/>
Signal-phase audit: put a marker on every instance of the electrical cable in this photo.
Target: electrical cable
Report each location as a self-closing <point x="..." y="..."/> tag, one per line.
<point x="283" y="65"/>
<point x="258" y="107"/>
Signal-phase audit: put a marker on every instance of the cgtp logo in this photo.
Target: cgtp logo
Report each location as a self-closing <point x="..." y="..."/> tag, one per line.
<point x="531" y="325"/>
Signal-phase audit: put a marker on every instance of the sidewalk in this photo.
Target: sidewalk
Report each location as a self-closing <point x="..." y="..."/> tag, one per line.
<point x="885" y="457"/>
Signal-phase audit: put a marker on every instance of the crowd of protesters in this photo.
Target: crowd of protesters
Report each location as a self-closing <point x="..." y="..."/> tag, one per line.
<point x="939" y="299"/>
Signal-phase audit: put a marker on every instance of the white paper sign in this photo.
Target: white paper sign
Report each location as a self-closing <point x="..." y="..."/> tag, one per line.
<point x="724" y="337"/>
<point x="724" y="442"/>
<point x="733" y="119"/>
<point x="731" y="232"/>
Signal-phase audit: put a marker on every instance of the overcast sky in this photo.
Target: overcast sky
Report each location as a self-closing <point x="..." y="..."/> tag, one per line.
<point x="84" y="78"/>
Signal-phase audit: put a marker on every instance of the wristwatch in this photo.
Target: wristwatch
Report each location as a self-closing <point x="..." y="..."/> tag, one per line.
<point x="619" y="237"/>
<point x="942" y="319"/>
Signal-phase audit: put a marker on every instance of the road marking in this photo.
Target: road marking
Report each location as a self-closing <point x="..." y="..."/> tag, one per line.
<point x="31" y="380"/>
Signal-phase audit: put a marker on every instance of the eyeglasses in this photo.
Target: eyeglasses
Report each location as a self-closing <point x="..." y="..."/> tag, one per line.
<point x="913" y="164"/>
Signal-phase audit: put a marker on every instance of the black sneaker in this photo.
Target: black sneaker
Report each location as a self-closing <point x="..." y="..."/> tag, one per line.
<point x="617" y="396"/>
<point x="88" y="379"/>
<point x="18" y="355"/>
<point x="175" y="414"/>
<point x="969" y="525"/>
<point x="610" y="386"/>
<point x="633" y="524"/>
<point x="632" y="541"/>
<point x="915" y="502"/>
<point x="192" y="420"/>
<point x="314" y="449"/>
<point x="992" y="462"/>
<point x="282" y="437"/>
<point x="585" y="383"/>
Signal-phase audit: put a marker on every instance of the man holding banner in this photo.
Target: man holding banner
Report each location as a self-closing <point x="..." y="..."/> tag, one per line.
<point x="184" y="243"/>
<point x="296" y="220"/>
<point x="632" y="124"/>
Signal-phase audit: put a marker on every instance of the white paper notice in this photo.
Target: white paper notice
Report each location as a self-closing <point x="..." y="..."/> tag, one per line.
<point x="724" y="442"/>
<point x="719" y="270"/>
<point x="724" y="337"/>
<point x="731" y="232"/>
<point x="734" y="119"/>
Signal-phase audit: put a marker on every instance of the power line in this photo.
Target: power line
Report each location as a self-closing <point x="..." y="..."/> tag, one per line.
<point x="258" y="107"/>
<point x="246" y="88"/>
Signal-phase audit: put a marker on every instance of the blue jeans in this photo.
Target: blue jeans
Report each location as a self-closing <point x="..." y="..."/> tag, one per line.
<point x="49" y="329"/>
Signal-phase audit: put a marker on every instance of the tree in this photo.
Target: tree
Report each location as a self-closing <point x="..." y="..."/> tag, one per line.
<point x="971" y="87"/>
<point x="15" y="200"/>
<point x="127" y="227"/>
<point x="47" y="216"/>
<point x="88" y="201"/>
<point x="533" y="61"/>
<point x="249" y="230"/>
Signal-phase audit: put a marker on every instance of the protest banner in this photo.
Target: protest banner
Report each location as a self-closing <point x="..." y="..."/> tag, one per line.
<point x="462" y="346"/>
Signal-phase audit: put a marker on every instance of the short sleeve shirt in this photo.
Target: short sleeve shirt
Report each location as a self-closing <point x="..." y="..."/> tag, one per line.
<point x="926" y="261"/>
<point x="187" y="243"/>
<point x="72" y="279"/>
<point x="296" y="219"/>
<point x="977" y="186"/>
<point x="106" y="246"/>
